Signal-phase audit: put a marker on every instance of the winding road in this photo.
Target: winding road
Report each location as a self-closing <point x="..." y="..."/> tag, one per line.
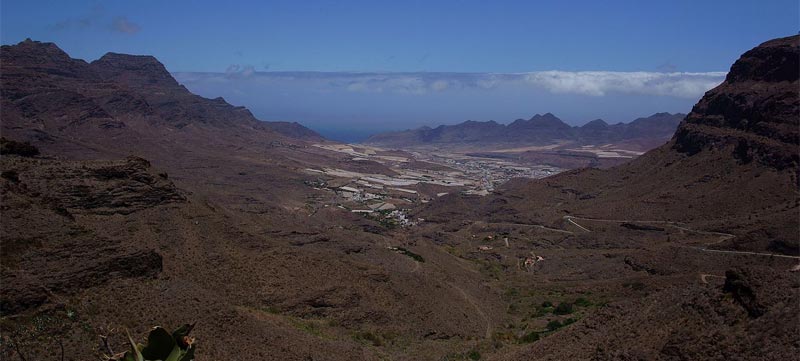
<point x="723" y="236"/>
<point x="569" y="219"/>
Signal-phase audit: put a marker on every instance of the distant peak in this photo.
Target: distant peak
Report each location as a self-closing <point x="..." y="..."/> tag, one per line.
<point x="38" y="48"/>
<point x="546" y="120"/>
<point x="545" y="116"/>
<point x="133" y="69"/>
<point x="41" y="55"/>
<point x="127" y="60"/>
<point x="596" y="123"/>
<point x="29" y="42"/>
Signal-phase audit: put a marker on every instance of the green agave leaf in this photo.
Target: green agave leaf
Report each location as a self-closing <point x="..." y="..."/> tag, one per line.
<point x="160" y="344"/>
<point x="175" y="355"/>
<point x="182" y="331"/>
<point x="128" y="356"/>
<point x="189" y="355"/>
<point x="136" y="356"/>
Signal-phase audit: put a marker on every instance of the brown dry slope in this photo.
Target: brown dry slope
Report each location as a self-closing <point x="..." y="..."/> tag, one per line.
<point x="215" y="226"/>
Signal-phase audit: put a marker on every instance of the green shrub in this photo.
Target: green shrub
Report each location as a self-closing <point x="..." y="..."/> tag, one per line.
<point x="542" y="312"/>
<point x="530" y="337"/>
<point x="554" y="325"/>
<point x="547" y="304"/>
<point x="582" y="302"/>
<point x="369" y="337"/>
<point x="564" y="308"/>
<point x="408" y="253"/>
<point x="474" y="355"/>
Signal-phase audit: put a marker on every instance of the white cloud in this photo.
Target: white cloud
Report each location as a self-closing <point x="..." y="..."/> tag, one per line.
<point x="440" y="85"/>
<point x="240" y="71"/>
<point x="586" y="83"/>
<point x="599" y="83"/>
<point x="123" y="25"/>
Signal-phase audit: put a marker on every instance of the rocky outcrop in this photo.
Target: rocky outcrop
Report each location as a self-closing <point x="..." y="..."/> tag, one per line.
<point x="753" y="114"/>
<point x="46" y="251"/>
<point x="65" y="270"/>
<point x="24" y="149"/>
<point x="119" y="187"/>
<point x="738" y="284"/>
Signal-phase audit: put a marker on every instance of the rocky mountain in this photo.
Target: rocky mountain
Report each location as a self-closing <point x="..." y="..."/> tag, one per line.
<point x="129" y="202"/>
<point x="47" y="92"/>
<point x="538" y="130"/>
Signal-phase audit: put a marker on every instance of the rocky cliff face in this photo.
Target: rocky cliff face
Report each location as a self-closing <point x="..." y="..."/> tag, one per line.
<point x="46" y="250"/>
<point x="754" y="112"/>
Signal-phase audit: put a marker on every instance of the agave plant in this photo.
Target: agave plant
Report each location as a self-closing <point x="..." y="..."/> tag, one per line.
<point x="161" y="345"/>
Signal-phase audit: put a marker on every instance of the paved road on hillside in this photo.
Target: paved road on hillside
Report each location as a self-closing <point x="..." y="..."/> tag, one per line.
<point x="723" y="236"/>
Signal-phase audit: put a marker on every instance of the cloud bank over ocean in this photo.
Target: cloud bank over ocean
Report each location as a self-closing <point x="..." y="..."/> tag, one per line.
<point x="599" y="83"/>
<point x="593" y="83"/>
<point x="370" y="102"/>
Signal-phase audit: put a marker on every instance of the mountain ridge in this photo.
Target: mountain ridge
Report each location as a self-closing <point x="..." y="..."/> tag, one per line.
<point x="122" y="84"/>
<point x="538" y="130"/>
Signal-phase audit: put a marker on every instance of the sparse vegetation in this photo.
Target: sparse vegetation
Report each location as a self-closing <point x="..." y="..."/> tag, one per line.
<point x="472" y="354"/>
<point x="542" y="311"/>
<point x="369" y="338"/>
<point x="377" y="339"/>
<point x="554" y="325"/>
<point x="530" y="337"/>
<point x="582" y="302"/>
<point x="408" y="253"/>
<point x="308" y="327"/>
<point x="564" y="308"/>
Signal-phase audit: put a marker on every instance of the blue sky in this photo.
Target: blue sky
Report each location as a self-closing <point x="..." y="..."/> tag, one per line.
<point x="494" y="37"/>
